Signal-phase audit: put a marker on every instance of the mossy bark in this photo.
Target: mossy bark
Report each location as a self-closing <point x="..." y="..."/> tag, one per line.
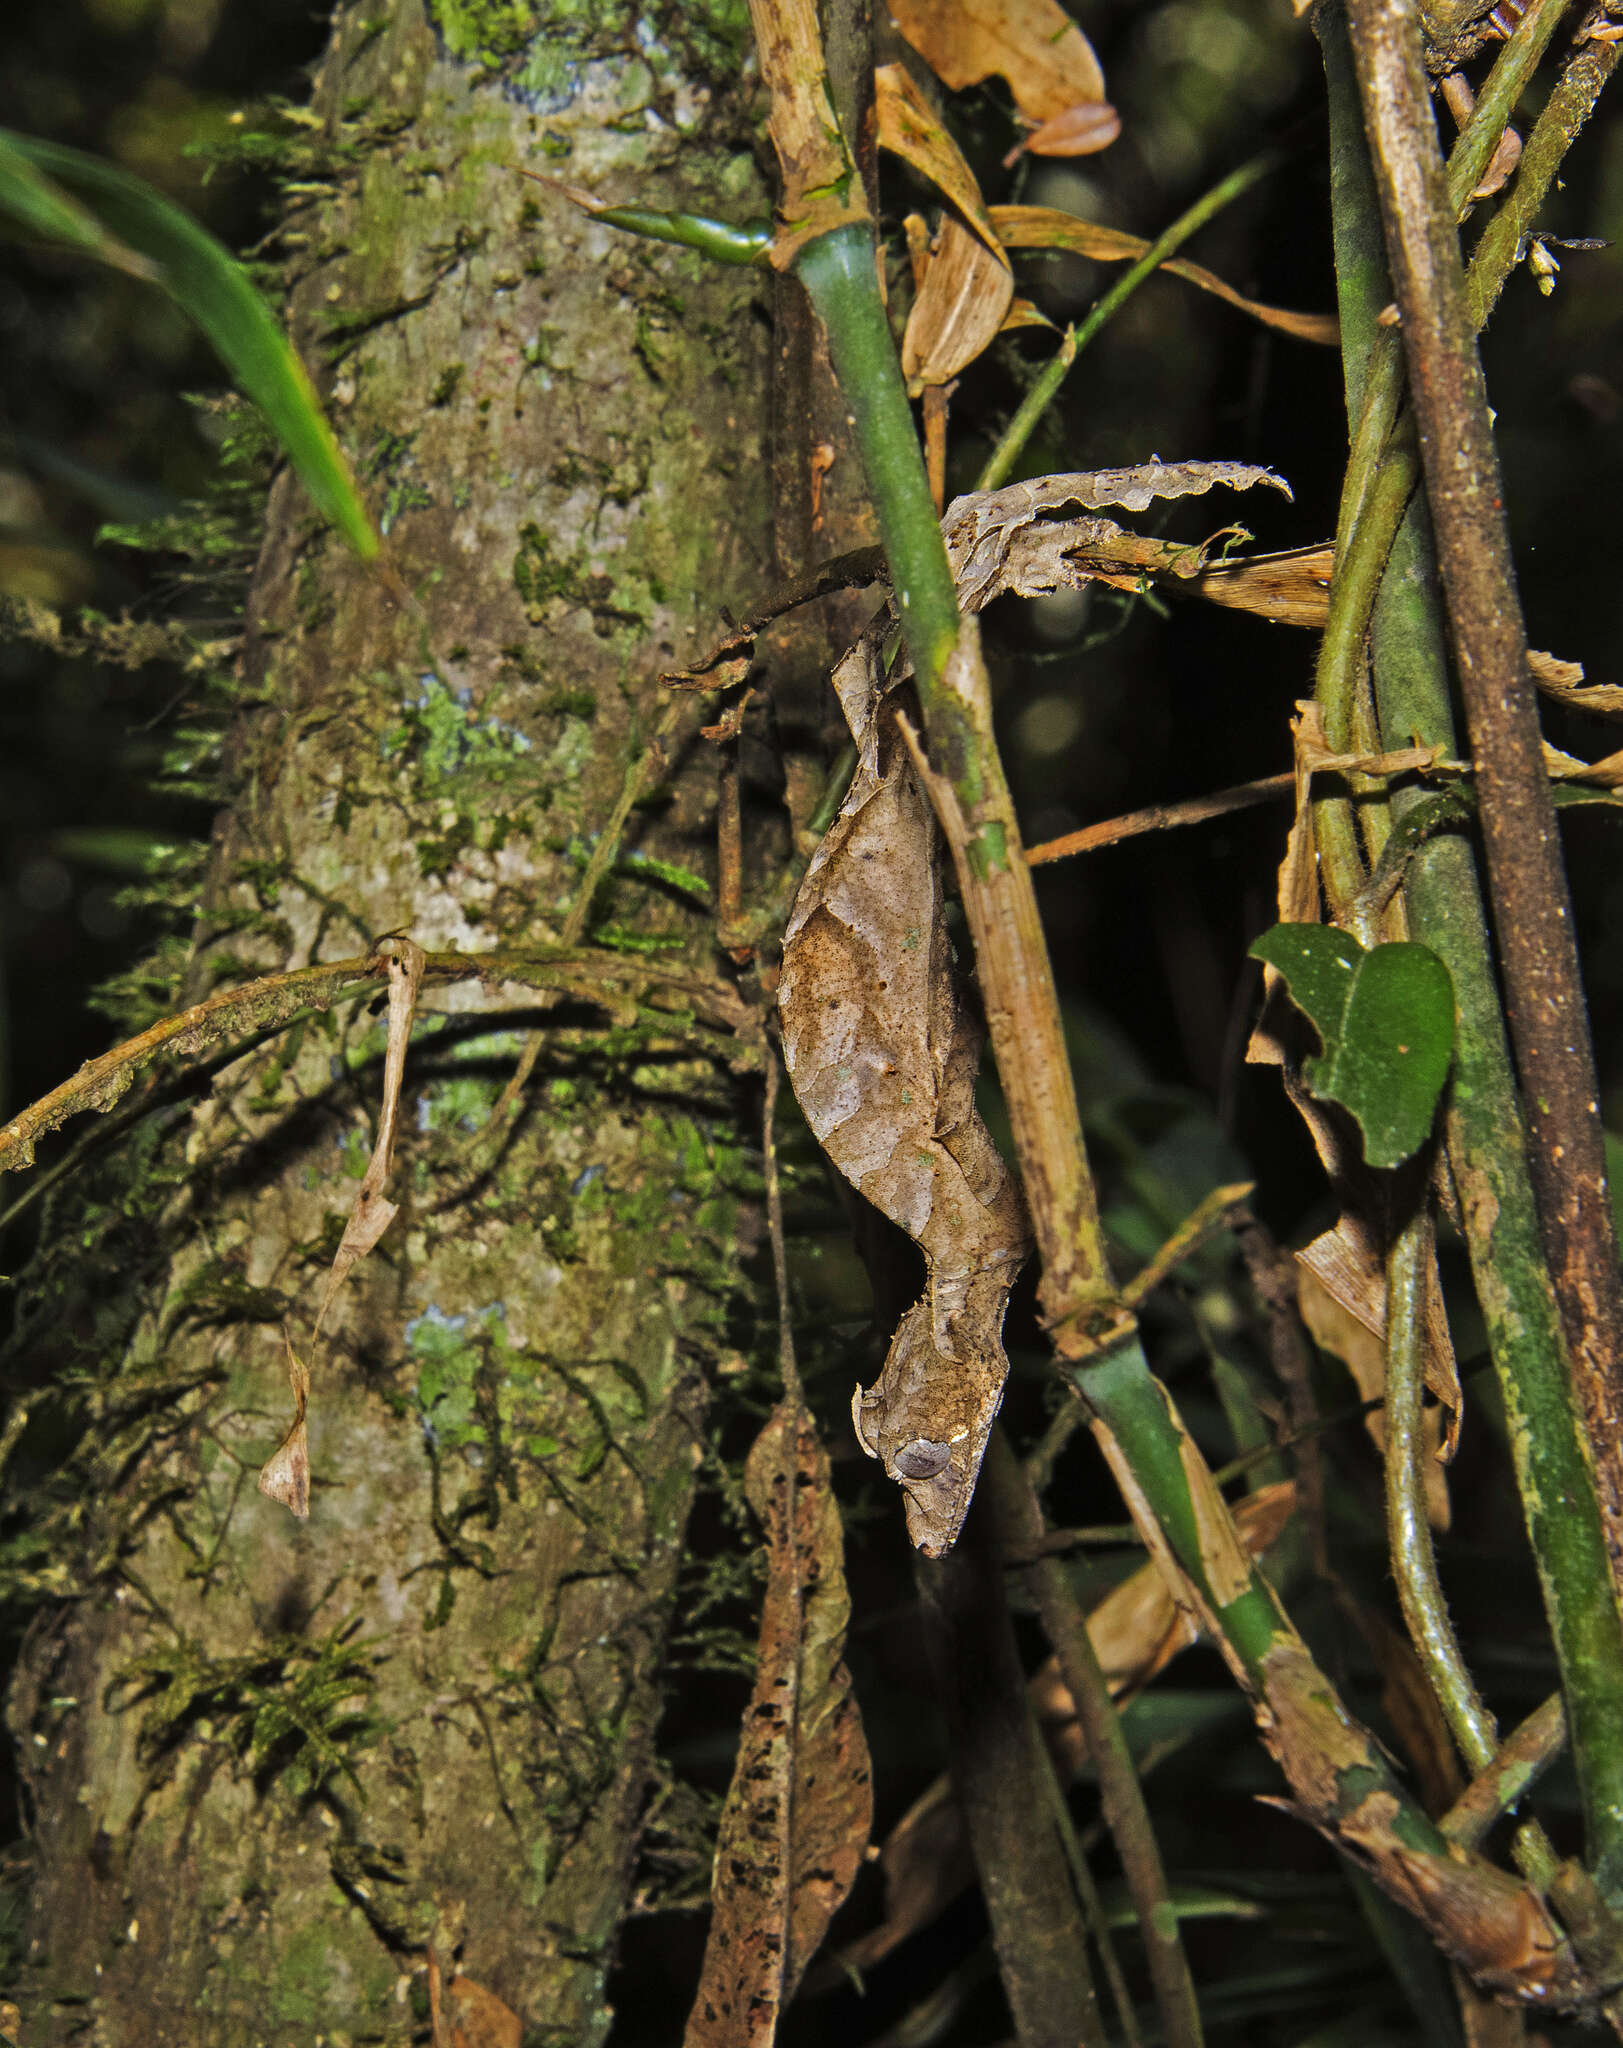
<point x="267" y="1763"/>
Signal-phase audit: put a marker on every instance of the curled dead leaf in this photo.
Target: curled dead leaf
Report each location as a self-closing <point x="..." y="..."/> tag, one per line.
<point x="1033" y="44"/>
<point x="1047" y="227"/>
<point x="1136" y="1630"/>
<point x="959" y="310"/>
<point x="1079" y="131"/>
<point x="285" y="1476"/>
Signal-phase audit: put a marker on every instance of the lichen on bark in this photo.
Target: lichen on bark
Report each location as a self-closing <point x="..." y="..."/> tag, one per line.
<point x="266" y="1763"/>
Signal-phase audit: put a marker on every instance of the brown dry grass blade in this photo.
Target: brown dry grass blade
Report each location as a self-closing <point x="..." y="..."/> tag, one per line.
<point x="882" y="1053"/>
<point x="373" y="1213"/>
<point x="286" y="1473"/>
<point x="909" y="128"/>
<point x="796" y="1821"/>
<point x="1034" y="44"/>
<point x="1046" y="227"/>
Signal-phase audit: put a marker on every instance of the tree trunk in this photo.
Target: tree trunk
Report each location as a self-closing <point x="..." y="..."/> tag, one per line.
<point x="267" y="1763"/>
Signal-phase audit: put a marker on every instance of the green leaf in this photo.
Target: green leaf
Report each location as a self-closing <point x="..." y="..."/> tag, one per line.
<point x="1386" y="1022"/>
<point x="206" y="282"/>
<point x="32" y="201"/>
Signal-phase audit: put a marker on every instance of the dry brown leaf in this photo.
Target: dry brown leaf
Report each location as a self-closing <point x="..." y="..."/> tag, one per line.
<point x="1136" y="1630"/>
<point x="1022" y="313"/>
<point x="910" y="129"/>
<point x="959" y="310"/>
<point x="882" y="1054"/>
<point x="1606" y="773"/>
<point x="1341" y="1291"/>
<point x="981" y="526"/>
<point x="285" y="1476"/>
<point x="1563" y="682"/>
<point x="1291" y="589"/>
<point x="463" y="2014"/>
<point x="1034" y="44"/>
<point x="796" y="1819"/>
<point x="1047" y="227"/>
<point x="372" y="1213"/>
<point x="1079" y="131"/>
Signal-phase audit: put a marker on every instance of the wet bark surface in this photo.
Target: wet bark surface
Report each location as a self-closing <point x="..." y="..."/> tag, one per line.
<point x="268" y="1763"/>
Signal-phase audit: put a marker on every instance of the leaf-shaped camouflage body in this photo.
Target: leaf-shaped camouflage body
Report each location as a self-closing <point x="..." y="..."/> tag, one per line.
<point x="882" y="1055"/>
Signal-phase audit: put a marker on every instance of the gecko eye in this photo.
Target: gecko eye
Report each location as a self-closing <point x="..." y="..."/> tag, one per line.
<point x="922" y="1459"/>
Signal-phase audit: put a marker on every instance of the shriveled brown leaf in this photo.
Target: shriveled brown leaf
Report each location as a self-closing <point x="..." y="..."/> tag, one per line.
<point x="1034" y="44"/>
<point x="882" y="1055"/>
<point x="796" y="1819"/>
<point x="285" y="1476"/>
<point x="1079" y="131"/>
<point x="1410" y="1704"/>
<point x="1606" y="773"/>
<point x="981" y="526"/>
<point x="463" y="2014"/>
<point x="1563" y="681"/>
<point x="372" y="1213"/>
<point x="1341" y="1290"/>
<point x="1047" y="227"/>
<point x="909" y="128"/>
<point x="959" y="310"/>
<point x="1137" y="1629"/>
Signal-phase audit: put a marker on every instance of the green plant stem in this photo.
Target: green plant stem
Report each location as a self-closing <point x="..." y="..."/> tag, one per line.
<point x="1339" y="1775"/>
<point x="1571" y="102"/>
<point x="1532" y="913"/>
<point x="1383" y="466"/>
<point x="1121" y="1797"/>
<point x="1043" y="392"/>
<point x="964" y="777"/>
<point x="1516" y="1766"/>
<point x="1408" y="1526"/>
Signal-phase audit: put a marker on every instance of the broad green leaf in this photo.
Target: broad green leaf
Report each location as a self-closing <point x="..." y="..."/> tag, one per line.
<point x="32" y="201"/>
<point x="1386" y="1022"/>
<point x="208" y="283"/>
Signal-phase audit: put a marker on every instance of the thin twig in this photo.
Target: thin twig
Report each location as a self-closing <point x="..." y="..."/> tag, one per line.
<point x="1194" y="810"/>
<point x="1037" y="400"/>
<point x="787" y="1367"/>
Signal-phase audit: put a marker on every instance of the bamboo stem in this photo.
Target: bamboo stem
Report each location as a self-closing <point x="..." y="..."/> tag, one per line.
<point x="1547" y="1016"/>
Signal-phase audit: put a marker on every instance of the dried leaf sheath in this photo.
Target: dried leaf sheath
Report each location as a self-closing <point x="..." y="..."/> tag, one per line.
<point x="795" y="1825"/>
<point x="882" y="1053"/>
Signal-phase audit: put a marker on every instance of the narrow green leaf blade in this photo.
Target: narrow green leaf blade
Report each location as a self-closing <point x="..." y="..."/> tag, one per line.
<point x="30" y="200"/>
<point x="208" y="283"/>
<point x="1318" y="964"/>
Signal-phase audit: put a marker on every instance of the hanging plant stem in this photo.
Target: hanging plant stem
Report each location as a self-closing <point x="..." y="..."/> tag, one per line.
<point x="1548" y="1438"/>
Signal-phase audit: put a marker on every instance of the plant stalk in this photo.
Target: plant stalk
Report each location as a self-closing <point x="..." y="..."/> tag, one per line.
<point x="1533" y="916"/>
